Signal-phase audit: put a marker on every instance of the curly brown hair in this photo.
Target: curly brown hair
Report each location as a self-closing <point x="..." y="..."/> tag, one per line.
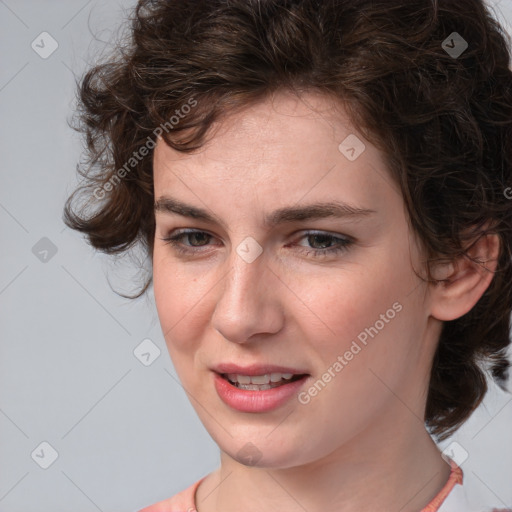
<point x="443" y="122"/>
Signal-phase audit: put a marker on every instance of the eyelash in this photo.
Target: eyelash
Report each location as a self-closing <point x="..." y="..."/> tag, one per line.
<point x="343" y="243"/>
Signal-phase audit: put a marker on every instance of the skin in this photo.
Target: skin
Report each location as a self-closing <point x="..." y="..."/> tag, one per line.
<point x="365" y="430"/>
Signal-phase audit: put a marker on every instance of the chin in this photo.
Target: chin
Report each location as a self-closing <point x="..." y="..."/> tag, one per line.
<point x="264" y="453"/>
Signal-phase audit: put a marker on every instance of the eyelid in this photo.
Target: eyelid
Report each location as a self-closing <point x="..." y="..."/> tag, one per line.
<point x="320" y="232"/>
<point x="342" y="242"/>
<point x="303" y="233"/>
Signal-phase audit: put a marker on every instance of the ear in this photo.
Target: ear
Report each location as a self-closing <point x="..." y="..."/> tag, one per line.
<point x="463" y="281"/>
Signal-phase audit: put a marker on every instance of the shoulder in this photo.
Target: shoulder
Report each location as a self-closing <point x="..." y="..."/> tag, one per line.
<point x="466" y="497"/>
<point x="184" y="501"/>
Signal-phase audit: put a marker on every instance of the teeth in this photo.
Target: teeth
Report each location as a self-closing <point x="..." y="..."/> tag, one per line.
<point x="259" y="379"/>
<point x="242" y="379"/>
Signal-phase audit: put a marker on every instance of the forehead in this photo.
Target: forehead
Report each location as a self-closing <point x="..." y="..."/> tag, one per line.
<point x="283" y="147"/>
<point x="282" y="120"/>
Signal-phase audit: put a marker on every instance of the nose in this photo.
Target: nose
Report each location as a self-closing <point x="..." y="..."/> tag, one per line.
<point x="248" y="305"/>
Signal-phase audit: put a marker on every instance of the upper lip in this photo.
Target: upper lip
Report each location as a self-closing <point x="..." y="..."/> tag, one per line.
<point x="256" y="369"/>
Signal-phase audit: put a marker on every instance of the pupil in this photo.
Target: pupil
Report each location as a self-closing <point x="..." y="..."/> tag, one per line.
<point x="324" y="237"/>
<point x="198" y="235"/>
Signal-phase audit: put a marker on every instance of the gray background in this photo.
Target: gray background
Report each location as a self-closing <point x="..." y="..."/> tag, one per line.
<point x="125" y="433"/>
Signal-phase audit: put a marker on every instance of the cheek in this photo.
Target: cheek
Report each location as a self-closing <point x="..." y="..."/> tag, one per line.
<point x="378" y="347"/>
<point x="359" y="299"/>
<point x="178" y="303"/>
<point x="372" y="320"/>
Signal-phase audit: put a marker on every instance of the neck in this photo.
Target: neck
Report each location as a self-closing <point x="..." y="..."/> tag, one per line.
<point x="394" y="466"/>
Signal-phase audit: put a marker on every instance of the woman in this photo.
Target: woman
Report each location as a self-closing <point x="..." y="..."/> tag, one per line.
<point x="322" y="190"/>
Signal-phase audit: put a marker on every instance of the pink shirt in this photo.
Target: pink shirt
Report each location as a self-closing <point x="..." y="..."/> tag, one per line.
<point x="451" y="498"/>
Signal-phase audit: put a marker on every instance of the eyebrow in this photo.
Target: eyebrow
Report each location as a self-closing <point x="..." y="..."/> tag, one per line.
<point x="330" y="209"/>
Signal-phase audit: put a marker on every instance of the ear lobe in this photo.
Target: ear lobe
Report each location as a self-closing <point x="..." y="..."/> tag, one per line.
<point x="463" y="282"/>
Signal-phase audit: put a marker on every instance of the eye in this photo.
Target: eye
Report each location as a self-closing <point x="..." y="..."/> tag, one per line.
<point x="330" y="244"/>
<point x="175" y="240"/>
<point x="335" y="244"/>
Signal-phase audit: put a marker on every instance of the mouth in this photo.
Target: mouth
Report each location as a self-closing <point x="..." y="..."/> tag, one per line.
<point x="258" y="389"/>
<point x="261" y="382"/>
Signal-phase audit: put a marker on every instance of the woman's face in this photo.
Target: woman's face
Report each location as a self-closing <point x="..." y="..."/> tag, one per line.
<point x="272" y="286"/>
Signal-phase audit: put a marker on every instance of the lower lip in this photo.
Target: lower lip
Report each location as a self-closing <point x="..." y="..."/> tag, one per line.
<point x="256" y="401"/>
